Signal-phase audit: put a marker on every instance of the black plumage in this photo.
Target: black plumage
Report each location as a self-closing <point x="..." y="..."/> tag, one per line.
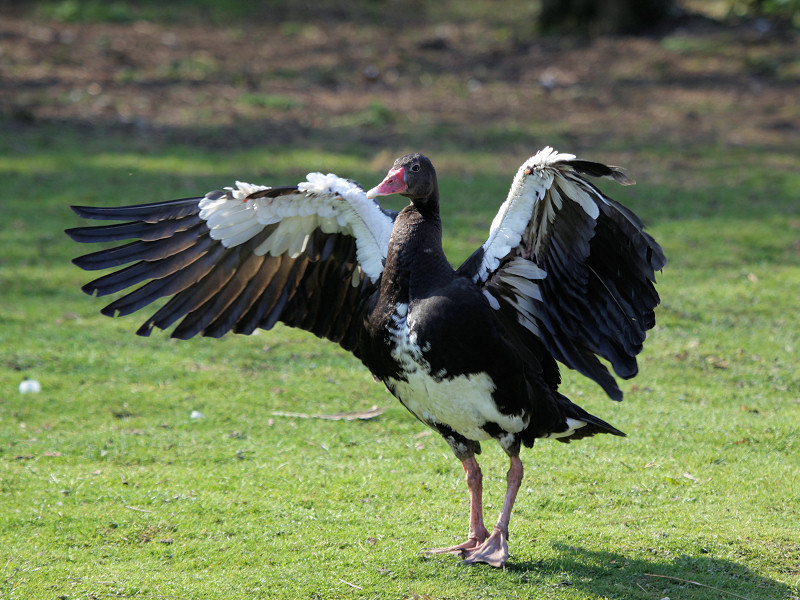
<point x="567" y="275"/>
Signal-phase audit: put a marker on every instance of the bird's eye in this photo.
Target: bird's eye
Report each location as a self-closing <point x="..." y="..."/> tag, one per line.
<point x="415" y="168"/>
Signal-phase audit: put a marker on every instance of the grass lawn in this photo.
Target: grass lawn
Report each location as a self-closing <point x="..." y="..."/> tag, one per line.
<point x="156" y="469"/>
<point x="111" y="489"/>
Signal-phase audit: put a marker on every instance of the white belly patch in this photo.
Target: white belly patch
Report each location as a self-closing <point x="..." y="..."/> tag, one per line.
<point x="464" y="403"/>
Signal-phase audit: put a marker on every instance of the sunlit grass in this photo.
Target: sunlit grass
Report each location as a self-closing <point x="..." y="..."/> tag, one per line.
<point x="110" y="488"/>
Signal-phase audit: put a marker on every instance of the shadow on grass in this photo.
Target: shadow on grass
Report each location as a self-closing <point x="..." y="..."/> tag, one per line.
<point x="199" y="11"/>
<point x="365" y="139"/>
<point x="712" y="184"/>
<point x="686" y="577"/>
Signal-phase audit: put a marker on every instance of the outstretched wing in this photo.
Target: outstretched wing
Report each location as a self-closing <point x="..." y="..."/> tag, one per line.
<point x="245" y="258"/>
<point x="571" y="267"/>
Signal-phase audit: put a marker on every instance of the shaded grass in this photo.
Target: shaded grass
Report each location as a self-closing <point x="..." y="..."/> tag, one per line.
<point x="293" y="15"/>
<point x="110" y="489"/>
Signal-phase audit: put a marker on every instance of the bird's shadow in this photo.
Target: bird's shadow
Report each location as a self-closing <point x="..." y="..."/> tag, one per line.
<point x="603" y="573"/>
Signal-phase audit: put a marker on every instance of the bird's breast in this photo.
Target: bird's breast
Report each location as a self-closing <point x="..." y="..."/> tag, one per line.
<point x="464" y="402"/>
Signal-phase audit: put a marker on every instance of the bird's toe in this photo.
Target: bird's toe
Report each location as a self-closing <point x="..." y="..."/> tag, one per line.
<point x="493" y="552"/>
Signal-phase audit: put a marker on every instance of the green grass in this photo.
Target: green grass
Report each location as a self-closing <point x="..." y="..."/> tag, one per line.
<point x="295" y="16"/>
<point x="109" y="489"/>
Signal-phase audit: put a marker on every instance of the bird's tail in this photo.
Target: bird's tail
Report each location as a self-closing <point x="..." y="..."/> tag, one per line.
<point x="581" y="424"/>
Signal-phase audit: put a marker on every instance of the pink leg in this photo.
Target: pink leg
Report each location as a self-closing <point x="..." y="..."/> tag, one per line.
<point x="494" y="550"/>
<point x="477" y="531"/>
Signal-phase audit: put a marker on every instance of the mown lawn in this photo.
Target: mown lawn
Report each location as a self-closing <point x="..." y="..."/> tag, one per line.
<point x="156" y="469"/>
<point x="111" y="489"/>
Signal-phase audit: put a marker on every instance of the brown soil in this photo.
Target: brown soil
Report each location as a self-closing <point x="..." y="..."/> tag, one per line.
<point x="459" y="83"/>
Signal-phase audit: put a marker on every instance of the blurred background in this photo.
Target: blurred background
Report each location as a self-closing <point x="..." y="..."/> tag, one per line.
<point x="604" y="77"/>
<point x="112" y="484"/>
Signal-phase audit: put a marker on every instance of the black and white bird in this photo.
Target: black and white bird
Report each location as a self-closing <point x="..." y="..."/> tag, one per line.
<point x="566" y="275"/>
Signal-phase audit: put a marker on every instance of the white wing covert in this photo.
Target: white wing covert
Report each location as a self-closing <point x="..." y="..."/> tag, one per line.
<point x="570" y="268"/>
<point x="244" y="258"/>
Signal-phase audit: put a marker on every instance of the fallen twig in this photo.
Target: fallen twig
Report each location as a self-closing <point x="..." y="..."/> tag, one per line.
<point x="711" y="587"/>
<point x="318" y="445"/>
<point x="352" y="585"/>
<point x="344" y="416"/>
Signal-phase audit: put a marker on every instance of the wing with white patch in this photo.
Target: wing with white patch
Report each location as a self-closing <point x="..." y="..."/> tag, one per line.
<point x="571" y="267"/>
<point x="245" y="258"/>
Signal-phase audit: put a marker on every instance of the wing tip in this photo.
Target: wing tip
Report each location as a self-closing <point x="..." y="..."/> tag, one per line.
<point x="81" y="211"/>
<point x="146" y="329"/>
<point x="75" y="234"/>
<point x="596" y="169"/>
<point x="622" y="178"/>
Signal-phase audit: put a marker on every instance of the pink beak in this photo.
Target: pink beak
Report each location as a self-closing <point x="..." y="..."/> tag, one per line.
<point x="394" y="183"/>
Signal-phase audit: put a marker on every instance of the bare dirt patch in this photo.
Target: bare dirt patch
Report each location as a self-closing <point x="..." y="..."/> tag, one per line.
<point x="459" y="83"/>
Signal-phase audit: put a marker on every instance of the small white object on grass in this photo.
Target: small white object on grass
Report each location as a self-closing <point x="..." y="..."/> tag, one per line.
<point x="29" y="386"/>
<point x="196" y="414"/>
